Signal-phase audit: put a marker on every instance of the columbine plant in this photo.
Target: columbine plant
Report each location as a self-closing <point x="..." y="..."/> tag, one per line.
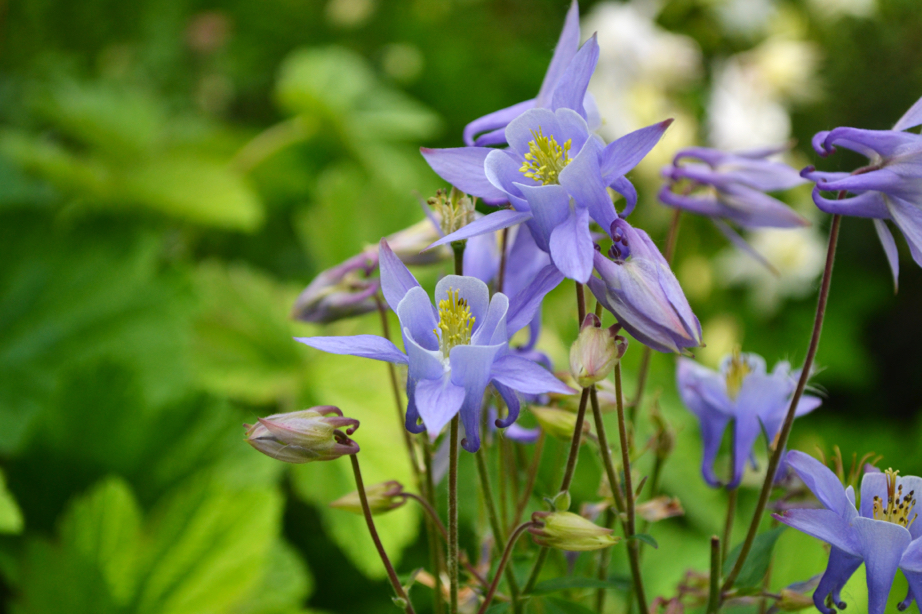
<point x="553" y="179"/>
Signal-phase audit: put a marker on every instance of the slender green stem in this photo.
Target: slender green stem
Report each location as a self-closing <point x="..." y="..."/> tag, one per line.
<point x="499" y="536"/>
<point x="565" y="484"/>
<point x="604" y="558"/>
<point x="366" y="511"/>
<point x="453" y="517"/>
<point x="782" y="438"/>
<point x="430" y="512"/>
<point x="536" y="570"/>
<point x="728" y="524"/>
<point x="530" y="482"/>
<point x="398" y="401"/>
<point x="502" y="565"/>
<point x="605" y="451"/>
<point x="714" y="592"/>
<point x="271" y="141"/>
<point x="629" y="527"/>
<point x="435" y="545"/>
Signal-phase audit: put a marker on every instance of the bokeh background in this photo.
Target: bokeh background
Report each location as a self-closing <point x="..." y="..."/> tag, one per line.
<point x="174" y="172"/>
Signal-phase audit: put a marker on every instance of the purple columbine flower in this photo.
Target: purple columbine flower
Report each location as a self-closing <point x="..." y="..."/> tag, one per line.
<point x="564" y="85"/>
<point x="455" y="350"/>
<point x="554" y="175"/>
<point x="742" y="391"/>
<point x="888" y="188"/>
<point x="639" y="288"/>
<point x="732" y="186"/>
<point x="879" y="531"/>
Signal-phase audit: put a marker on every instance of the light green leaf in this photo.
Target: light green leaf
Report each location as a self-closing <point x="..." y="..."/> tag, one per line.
<point x="105" y="527"/>
<point x="645" y="538"/>
<point x="193" y="189"/>
<point x="243" y="345"/>
<point x="286" y="581"/>
<point x="329" y="81"/>
<point x="209" y="548"/>
<point x="10" y="514"/>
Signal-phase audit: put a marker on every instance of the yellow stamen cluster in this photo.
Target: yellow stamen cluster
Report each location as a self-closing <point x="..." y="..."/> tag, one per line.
<point x="899" y="506"/>
<point x="455" y="322"/>
<point x="737" y="372"/>
<point x="545" y="158"/>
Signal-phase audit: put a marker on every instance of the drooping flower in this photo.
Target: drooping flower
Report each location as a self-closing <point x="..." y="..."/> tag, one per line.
<point x="879" y="530"/>
<point x="888" y="188"/>
<point x="554" y="174"/>
<point x="732" y="186"/>
<point x="639" y="288"/>
<point x="564" y="85"/>
<point x="743" y="392"/>
<point x="304" y="436"/>
<point x="349" y="288"/>
<point x="456" y="350"/>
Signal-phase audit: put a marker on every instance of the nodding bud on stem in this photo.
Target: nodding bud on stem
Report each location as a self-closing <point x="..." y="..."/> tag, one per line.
<point x="595" y="352"/>
<point x="559" y="423"/>
<point x="569" y="531"/>
<point x="304" y="436"/>
<point x="382" y="497"/>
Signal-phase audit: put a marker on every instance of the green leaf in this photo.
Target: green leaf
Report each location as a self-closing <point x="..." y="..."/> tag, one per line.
<point x="10" y="514"/>
<point x="560" y="584"/>
<point x="555" y="605"/>
<point x="499" y="608"/>
<point x="645" y="538"/>
<point x="105" y="527"/>
<point x="330" y="80"/>
<point x="760" y="556"/>
<point x="243" y="345"/>
<point x="192" y="188"/>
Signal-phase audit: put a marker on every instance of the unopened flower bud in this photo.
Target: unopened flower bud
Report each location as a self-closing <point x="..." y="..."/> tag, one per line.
<point x="595" y="352"/>
<point x="569" y="531"/>
<point x="343" y="291"/>
<point x="382" y="497"/>
<point x="660" y="508"/>
<point x="792" y="601"/>
<point x="304" y="436"/>
<point x="455" y="210"/>
<point x="558" y="423"/>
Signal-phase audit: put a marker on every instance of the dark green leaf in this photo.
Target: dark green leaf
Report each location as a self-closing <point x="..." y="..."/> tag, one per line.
<point x="499" y="608"/>
<point x="645" y="538"/>
<point x="555" y="605"/>
<point x="560" y="584"/>
<point x="757" y="562"/>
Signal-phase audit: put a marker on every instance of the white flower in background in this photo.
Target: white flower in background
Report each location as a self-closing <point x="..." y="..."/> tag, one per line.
<point x="798" y="255"/>
<point x="747" y="17"/>
<point x="640" y="64"/>
<point x="752" y="90"/>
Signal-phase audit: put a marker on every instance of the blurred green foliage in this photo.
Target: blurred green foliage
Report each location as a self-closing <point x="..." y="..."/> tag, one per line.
<point x="173" y="172"/>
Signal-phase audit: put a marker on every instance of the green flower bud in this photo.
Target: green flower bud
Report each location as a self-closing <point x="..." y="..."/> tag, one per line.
<point x="792" y="601"/>
<point x="569" y="531"/>
<point x="304" y="436"/>
<point x="558" y="423"/>
<point x="595" y="352"/>
<point x="382" y="497"/>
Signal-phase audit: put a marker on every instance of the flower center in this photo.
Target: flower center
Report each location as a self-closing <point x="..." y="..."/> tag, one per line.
<point x="545" y="158"/>
<point x="455" y="322"/>
<point x="899" y="506"/>
<point x="737" y="372"/>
